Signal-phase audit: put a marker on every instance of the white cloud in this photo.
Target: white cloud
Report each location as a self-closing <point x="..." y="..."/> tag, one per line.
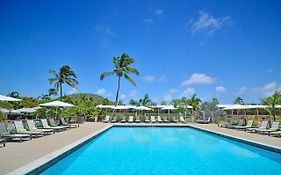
<point x="242" y="91"/>
<point x="158" y="12"/>
<point x="123" y="97"/>
<point x="132" y="93"/>
<point x="270" y="70"/>
<point x="149" y="78"/>
<point x="148" y="20"/>
<point x="207" y="24"/>
<point x="268" y="89"/>
<point x="169" y="95"/>
<point x="198" y="78"/>
<point x="103" y="92"/>
<point x="162" y="78"/>
<point x="188" y="92"/>
<point x="220" y="89"/>
<point x="72" y="91"/>
<point x="106" y="29"/>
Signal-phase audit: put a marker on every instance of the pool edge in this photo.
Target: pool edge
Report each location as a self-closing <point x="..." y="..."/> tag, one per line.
<point x="43" y="163"/>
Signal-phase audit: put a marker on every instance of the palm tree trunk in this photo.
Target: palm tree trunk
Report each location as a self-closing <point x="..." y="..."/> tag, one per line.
<point x="60" y="89"/>
<point x="117" y="93"/>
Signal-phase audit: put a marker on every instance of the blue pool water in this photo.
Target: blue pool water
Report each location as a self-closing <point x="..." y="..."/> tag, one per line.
<point x="166" y="151"/>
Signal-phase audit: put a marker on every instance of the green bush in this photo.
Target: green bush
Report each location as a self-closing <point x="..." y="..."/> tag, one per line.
<point x="2" y="116"/>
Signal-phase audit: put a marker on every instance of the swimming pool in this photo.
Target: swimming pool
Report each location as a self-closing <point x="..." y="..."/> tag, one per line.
<point x="166" y="150"/>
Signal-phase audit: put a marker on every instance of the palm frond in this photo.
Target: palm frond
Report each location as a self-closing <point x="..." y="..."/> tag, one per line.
<point x="130" y="79"/>
<point x="105" y="74"/>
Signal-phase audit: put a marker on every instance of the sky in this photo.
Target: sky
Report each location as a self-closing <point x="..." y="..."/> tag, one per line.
<point x="221" y="49"/>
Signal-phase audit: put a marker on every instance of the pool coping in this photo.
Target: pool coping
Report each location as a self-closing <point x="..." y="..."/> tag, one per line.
<point x="43" y="163"/>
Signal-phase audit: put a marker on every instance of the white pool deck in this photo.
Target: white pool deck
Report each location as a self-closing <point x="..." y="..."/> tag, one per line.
<point x="19" y="157"/>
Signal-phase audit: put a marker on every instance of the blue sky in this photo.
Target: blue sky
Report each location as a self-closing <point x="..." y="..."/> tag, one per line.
<point x="220" y="49"/>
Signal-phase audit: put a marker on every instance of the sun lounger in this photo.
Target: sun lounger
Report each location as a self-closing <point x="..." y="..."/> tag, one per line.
<point x="114" y="119"/>
<point x="147" y="119"/>
<point x="274" y="127"/>
<point x="123" y="119"/>
<point x="45" y="125"/>
<point x="174" y="119"/>
<point x="264" y="125"/>
<point x="224" y="125"/>
<point x="152" y="119"/>
<point x="275" y="133"/>
<point x="241" y="122"/>
<point x="54" y="124"/>
<point x="182" y="120"/>
<point x="159" y="120"/>
<point x="4" y="133"/>
<point x="21" y="130"/>
<point x="249" y="125"/>
<point x="106" y="119"/>
<point x="31" y="127"/>
<point x="165" y="119"/>
<point x="64" y="123"/>
<point x="3" y="142"/>
<point x="137" y="119"/>
<point x="205" y="120"/>
<point x="131" y="119"/>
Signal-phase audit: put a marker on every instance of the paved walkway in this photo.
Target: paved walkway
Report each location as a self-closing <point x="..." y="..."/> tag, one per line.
<point x="264" y="139"/>
<point x="16" y="155"/>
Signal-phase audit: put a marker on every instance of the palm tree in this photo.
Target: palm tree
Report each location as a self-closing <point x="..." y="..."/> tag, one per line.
<point x="134" y="102"/>
<point x="194" y="101"/>
<point x="52" y="91"/>
<point x="65" y="75"/>
<point x="145" y="101"/>
<point x="122" y="68"/>
<point x="239" y="101"/>
<point x="272" y="101"/>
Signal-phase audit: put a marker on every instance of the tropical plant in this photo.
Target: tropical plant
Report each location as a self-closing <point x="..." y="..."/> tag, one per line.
<point x="239" y="101"/>
<point x="134" y="102"/>
<point x="194" y="101"/>
<point x="14" y="94"/>
<point x="122" y="68"/>
<point x="163" y="102"/>
<point x="65" y="75"/>
<point x="2" y="116"/>
<point x="145" y="101"/>
<point x="52" y="91"/>
<point x="272" y="101"/>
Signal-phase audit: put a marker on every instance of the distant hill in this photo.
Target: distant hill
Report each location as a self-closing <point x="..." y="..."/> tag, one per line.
<point x="94" y="97"/>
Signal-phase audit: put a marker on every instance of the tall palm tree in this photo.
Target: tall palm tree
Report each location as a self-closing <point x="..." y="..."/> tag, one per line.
<point x="239" y="101"/>
<point x="194" y="101"/>
<point x="65" y="75"/>
<point x="272" y="101"/>
<point x="122" y="68"/>
<point x="145" y="101"/>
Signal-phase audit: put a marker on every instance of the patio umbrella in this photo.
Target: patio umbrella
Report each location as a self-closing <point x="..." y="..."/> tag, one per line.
<point x="6" y="98"/>
<point x="143" y="108"/>
<point x="56" y="104"/>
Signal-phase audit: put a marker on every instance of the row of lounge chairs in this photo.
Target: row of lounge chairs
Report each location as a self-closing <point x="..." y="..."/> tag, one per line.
<point x="265" y="127"/>
<point x="146" y="119"/>
<point x="28" y="129"/>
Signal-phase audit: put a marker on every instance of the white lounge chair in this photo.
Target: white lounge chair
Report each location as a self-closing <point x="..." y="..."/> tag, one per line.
<point x="182" y="120"/>
<point x="159" y="120"/>
<point x="152" y="119"/>
<point x="131" y="119"/>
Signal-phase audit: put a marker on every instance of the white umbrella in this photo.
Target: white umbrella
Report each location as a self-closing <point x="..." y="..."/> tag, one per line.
<point x="57" y="104"/>
<point x="105" y="106"/>
<point x="28" y="110"/>
<point x="143" y="108"/>
<point x="3" y="110"/>
<point x="119" y="107"/>
<point x="5" y="98"/>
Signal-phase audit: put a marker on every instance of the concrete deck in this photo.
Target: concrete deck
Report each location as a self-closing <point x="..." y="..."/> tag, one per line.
<point x="16" y="155"/>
